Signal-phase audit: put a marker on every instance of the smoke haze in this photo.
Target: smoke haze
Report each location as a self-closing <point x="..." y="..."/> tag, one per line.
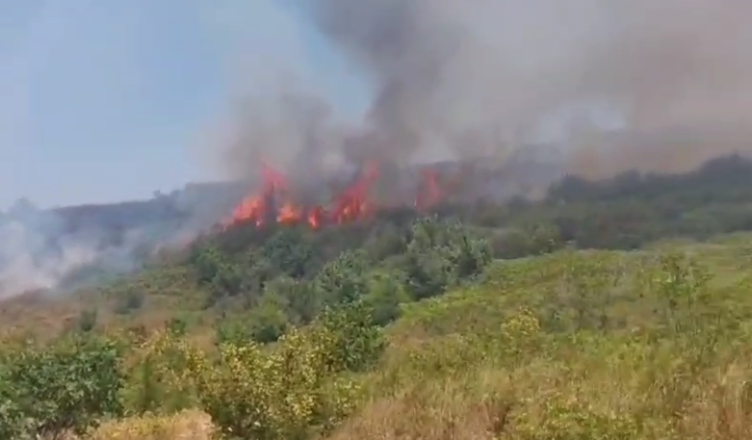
<point x="65" y="248"/>
<point x="657" y="86"/>
<point x="479" y="78"/>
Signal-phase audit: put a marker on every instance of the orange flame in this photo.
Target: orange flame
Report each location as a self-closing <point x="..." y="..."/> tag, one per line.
<point x="316" y="217"/>
<point x="289" y="214"/>
<point x="352" y="204"/>
<point x="430" y="193"/>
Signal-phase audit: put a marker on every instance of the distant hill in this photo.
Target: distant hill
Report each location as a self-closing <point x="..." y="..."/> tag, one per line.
<point x="71" y="245"/>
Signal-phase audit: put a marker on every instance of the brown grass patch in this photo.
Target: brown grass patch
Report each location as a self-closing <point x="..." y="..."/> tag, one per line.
<point x="188" y="425"/>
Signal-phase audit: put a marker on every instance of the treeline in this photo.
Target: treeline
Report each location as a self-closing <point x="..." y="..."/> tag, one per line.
<point x="625" y="212"/>
<point x="270" y="280"/>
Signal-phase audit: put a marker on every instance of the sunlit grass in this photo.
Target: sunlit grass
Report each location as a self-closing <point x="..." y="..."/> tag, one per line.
<point x="586" y="345"/>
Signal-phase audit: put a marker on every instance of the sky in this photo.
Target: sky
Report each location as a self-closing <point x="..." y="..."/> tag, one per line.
<point x="109" y="100"/>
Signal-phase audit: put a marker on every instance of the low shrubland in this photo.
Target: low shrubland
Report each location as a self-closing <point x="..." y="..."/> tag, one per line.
<point x="650" y="344"/>
<point x="487" y="322"/>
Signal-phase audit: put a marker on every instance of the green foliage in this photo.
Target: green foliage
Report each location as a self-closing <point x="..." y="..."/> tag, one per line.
<point x="386" y="292"/>
<point x="13" y="421"/>
<point x="274" y="394"/>
<point x="343" y="280"/>
<point x="233" y="330"/>
<point x="441" y="255"/>
<point x="586" y="283"/>
<point x="580" y="345"/>
<point x="290" y="253"/>
<point x="268" y="320"/>
<point x="207" y="262"/>
<point x="69" y="386"/>
<point x="159" y="376"/>
<point x="569" y="419"/>
<point x="527" y="240"/>
<point x="216" y="270"/>
<point x="300" y="299"/>
<point x="354" y="342"/>
<point x="177" y="326"/>
<point x="681" y="281"/>
<point x="290" y="274"/>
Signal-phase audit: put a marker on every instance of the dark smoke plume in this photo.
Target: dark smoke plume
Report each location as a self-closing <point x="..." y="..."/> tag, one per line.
<point x="660" y="85"/>
<point x="479" y="78"/>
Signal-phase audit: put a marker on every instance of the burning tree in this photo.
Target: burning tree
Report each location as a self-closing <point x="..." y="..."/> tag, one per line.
<point x="275" y="203"/>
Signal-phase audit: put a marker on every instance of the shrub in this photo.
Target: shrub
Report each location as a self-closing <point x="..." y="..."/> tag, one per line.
<point x="68" y="386"/>
<point x="271" y="394"/>
<point x="159" y="376"/>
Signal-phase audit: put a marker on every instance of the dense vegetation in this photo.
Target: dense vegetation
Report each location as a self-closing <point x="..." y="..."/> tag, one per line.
<point x="407" y="328"/>
<point x="260" y="276"/>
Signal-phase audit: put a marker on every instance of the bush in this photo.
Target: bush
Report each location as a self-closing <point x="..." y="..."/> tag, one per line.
<point x="386" y="291"/>
<point x="68" y="386"/>
<point x="159" y="375"/>
<point x="292" y="388"/>
<point x="271" y="394"/>
<point x="441" y="255"/>
<point x="351" y="340"/>
<point x="343" y="280"/>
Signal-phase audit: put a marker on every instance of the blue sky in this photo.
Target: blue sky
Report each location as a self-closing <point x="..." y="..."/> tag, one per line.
<point x="104" y="100"/>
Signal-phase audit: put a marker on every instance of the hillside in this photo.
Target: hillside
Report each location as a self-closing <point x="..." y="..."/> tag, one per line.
<point x="606" y="310"/>
<point x="585" y="345"/>
<point x="228" y="272"/>
<point x="610" y="345"/>
<point x="69" y="247"/>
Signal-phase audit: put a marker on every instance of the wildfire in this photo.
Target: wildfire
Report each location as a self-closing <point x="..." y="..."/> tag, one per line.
<point x="431" y="194"/>
<point x="274" y="204"/>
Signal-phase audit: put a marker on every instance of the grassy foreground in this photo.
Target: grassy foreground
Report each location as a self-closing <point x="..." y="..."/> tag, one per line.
<point x="598" y="345"/>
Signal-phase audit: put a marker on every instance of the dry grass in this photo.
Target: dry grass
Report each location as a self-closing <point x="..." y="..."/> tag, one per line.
<point x="588" y="397"/>
<point x="189" y="425"/>
<point x="467" y="366"/>
<point x="475" y="408"/>
<point x="531" y="402"/>
<point x="483" y="363"/>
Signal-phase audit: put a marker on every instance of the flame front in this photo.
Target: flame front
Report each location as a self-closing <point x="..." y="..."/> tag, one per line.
<point x="430" y="191"/>
<point x="274" y="203"/>
<point x="250" y="209"/>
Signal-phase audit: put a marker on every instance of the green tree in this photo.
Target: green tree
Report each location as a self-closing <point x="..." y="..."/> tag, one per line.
<point x="276" y="393"/>
<point x="354" y="342"/>
<point x="268" y="321"/>
<point x="386" y="291"/>
<point x="289" y="252"/>
<point x="299" y="297"/>
<point x="343" y="280"/>
<point x="217" y="270"/>
<point x="441" y="254"/>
